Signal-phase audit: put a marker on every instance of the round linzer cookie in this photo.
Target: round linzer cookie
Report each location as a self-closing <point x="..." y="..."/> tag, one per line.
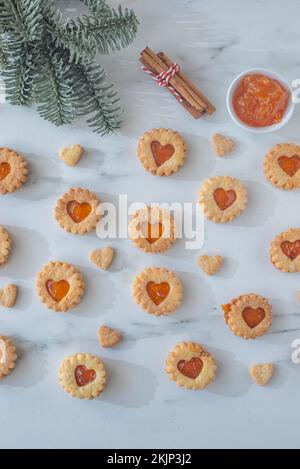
<point x="8" y="356"/>
<point x="60" y="286"/>
<point x="285" y="251"/>
<point x="162" y="151"/>
<point x="13" y="170"/>
<point x="222" y="198"/>
<point x="248" y="316"/>
<point x="152" y="229"/>
<point x="158" y="291"/>
<point x="83" y="376"/>
<point x="282" y="166"/>
<point x="191" y="366"/>
<point x="5" y="245"/>
<point x="77" y="211"/>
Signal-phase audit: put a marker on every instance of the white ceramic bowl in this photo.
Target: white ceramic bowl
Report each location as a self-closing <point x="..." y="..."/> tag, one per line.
<point x="270" y="128"/>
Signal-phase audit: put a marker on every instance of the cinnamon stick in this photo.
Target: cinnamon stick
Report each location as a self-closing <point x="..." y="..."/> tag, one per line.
<point x="209" y="107"/>
<point x="192" y="98"/>
<point x="152" y="61"/>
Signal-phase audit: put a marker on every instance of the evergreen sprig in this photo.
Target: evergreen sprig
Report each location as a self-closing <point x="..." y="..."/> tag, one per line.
<point x="50" y="61"/>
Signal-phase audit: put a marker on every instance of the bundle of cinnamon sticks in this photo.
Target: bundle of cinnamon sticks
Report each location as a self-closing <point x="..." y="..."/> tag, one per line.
<point x="191" y="97"/>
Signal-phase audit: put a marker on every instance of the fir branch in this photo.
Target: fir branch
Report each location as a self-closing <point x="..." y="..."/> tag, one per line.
<point x="95" y="96"/>
<point x="30" y="12"/>
<point x="69" y="36"/>
<point x="84" y="36"/>
<point x="110" y="32"/>
<point x="18" y="78"/>
<point x="98" y="7"/>
<point x="51" y="61"/>
<point x="3" y="55"/>
<point x="22" y="17"/>
<point x="53" y="91"/>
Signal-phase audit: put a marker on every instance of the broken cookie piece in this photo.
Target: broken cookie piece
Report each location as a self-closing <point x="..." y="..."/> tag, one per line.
<point x="222" y="145"/>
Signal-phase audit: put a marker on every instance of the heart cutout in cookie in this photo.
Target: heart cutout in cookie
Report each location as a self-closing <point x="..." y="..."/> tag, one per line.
<point x="57" y="290"/>
<point x="253" y="317"/>
<point x="224" y="199"/>
<point x="71" y="155"/>
<point x="8" y="296"/>
<point x="102" y="258"/>
<point x="190" y="368"/>
<point x="84" y="376"/>
<point x="5" y="169"/>
<point x="289" y="165"/>
<point x="78" y="211"/>
<point x="152" y="232"/>
<point x="291" y="249"/>
<point x="161" y="153"/>
<point x="158" y="292"/>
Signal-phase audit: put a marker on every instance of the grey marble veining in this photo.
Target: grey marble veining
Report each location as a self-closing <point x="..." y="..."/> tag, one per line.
<point x="213" y="40"/>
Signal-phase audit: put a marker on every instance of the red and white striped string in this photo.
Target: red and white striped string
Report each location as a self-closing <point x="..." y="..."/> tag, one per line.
<point x="163" y="78"/>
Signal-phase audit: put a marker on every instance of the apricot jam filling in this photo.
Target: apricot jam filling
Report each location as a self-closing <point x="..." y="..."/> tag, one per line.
<point x="57" y="290"/>
<point x="260" y="101"/>
<point x="78" y="211"/>
<point x="158" y="292"/>
<point x="190" y="368"/>
<point x="5" y="169"/>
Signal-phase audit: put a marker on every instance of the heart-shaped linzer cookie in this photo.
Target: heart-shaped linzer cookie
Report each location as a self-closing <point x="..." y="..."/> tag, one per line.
<point x="8" y="296"/>
<point x="262" y="374"/>
<point x="102" y="258"/>
<point x="152" y="232"/>
<point x="57" y="290"/>
<point x="161" y="153"/>
<point x="224" y="199"/>
<point x="158" y="292"/>
<point x="290" y="165"/>
<point x="78" y="212"/>
<point x="84" y="376"/>
<point x="71" y="155"/>
<point x="191" y="368"/>
<point x="109" y="337"/>
<point x="253" y="317"/>
<point x="291" y="249"/>
<point x="5" y="169"/>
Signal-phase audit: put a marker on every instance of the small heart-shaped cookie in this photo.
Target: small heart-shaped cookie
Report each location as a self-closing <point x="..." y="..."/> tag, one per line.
<point x="109" y="337"/>
<point x="262" y="374"/>
<point x="71" y="155"/>
<point x="210" y="264"/>
<point x="222" y="145"/>
<point x="102" y="258"/>
<point x="8" y="296"/>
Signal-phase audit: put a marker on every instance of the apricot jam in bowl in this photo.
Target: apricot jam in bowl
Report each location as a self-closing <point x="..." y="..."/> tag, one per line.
<point x="260" y="101"/>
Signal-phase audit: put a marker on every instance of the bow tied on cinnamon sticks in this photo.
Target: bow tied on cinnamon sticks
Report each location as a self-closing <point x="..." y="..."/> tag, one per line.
<point x="168" y="74"/>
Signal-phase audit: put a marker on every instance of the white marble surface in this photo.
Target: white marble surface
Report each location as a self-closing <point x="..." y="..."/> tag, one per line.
<point x="214" y="40"/>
